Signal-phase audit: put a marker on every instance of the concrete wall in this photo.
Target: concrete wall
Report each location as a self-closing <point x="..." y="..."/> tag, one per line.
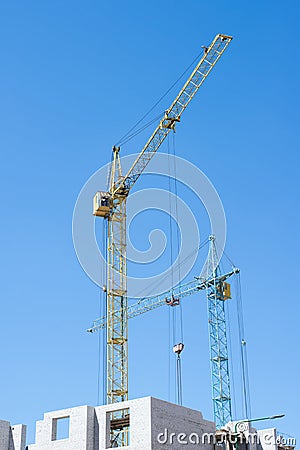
<point x="81" y="432"/>
<point x="17" y="437"/>
<point x="4" y="435"/>
<point x="140" y="423"/>
<point x="12" y="437"/>
<point x="152" y="423"/>
<point x="176" y="427"/>
<point x="267" y="439"/>
<point x="257" y="439"/>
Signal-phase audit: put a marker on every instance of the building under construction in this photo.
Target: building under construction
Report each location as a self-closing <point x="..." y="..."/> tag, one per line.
<point x="149" y="423"/>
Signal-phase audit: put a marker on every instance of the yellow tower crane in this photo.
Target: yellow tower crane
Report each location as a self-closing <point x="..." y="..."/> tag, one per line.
<point x="111" y="206"/>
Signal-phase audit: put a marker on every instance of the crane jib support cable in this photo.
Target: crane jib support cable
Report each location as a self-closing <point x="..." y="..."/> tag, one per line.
<point x="150" y="303"/>
<point x="112" y="207"/>
<point x="174" y="112"/>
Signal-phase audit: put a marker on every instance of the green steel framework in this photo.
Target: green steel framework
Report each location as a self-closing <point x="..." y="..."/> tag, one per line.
<point x="117" y="339"/>
<point x="212" y="283"/>
<point x="218" y="341"/>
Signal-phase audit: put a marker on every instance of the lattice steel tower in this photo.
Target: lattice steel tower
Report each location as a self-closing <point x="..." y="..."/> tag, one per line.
<point x="217" y="292"/>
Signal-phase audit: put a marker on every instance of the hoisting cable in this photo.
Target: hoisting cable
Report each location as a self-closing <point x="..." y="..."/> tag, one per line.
<point x="179" y="382"/>
<point x="140" y="130"/>
<point x="177" y="322"/>
<point x="104" y="349"/>
<point x="170" y="216"/>
<point x="123" y="138"/>
<point x="172" y="311"/>
<point x="177" y="349"/>
<point x="171" y="322"/>
<point x="178" y="234"/>
<point x="169" y="354"/>
<point x="243" y="351"/>
<point x="102" y="337"/>
<point x="104" y="289"/>
<point x="232" y="378"/>
<point x="230" y="260"/>
<point x="99" y="354"/>
<point x="245" y="384"/>
<point x="109" y="172"/>
<point x="184" y="261"/>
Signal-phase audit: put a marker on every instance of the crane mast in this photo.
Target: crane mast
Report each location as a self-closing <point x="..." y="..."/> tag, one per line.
<point x="217" y="293"/>
<point x="111" y="206"/>
<point x="117" y="331"/>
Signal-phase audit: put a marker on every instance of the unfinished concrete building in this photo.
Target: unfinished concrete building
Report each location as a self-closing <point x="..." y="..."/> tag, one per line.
<point x="150" y="424"/>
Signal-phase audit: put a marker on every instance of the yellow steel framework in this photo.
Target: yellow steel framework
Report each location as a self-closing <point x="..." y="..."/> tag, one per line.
<point x="112" y="206"/>
<point x="117" y="339"/>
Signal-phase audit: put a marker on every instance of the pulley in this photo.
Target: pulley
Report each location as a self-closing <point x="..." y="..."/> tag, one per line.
<point x="178" y="348"/>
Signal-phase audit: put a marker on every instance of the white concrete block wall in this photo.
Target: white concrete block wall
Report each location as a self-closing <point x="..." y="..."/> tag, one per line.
<point x="140" y="423"/>
<point x="154" y="425"/>
<point x="18" y="437"/>
<point x="257" y="439"/>
<point x="149" y="417"/>
<point x="176" y="427"/>
<point x="4" y="435"/>
<point x="247" y="433"/>
<point x="81" y="431"/>
<point x="12" y="437"/>
<point x="267" y="439"/>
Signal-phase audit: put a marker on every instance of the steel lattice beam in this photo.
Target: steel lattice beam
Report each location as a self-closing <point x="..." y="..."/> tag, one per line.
<point x="173" y="114"/>
<point x="147" y="304"/>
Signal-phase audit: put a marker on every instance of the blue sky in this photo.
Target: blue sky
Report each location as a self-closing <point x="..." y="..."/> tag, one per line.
<point x="75" y="76"/>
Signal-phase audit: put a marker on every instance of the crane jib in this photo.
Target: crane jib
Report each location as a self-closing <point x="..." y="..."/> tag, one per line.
<point x="150" y="303"/>
<point x="173" y="113"/>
